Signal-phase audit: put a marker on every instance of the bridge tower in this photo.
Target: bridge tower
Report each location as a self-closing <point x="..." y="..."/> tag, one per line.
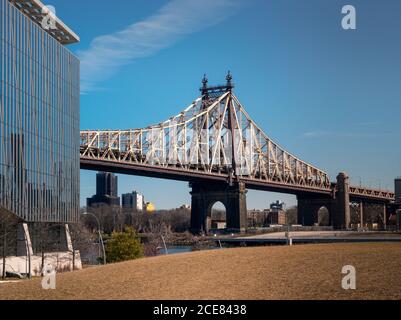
<point x="232" y="193"/>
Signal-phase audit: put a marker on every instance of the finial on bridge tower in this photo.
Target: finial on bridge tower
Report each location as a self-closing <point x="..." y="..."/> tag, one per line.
<point x="205" y="81"/>
<point x="229" y="79"/>
<point x="214" y="91"/>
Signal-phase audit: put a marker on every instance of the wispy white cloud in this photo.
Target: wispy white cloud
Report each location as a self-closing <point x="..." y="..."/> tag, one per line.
<point x="175" y="20"/>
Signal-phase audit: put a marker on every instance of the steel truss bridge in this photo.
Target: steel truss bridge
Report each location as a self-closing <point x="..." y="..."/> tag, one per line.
<point x="216" y="146"/>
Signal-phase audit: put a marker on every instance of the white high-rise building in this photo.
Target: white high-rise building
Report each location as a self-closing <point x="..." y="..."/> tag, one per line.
<point x="133" y="200"/>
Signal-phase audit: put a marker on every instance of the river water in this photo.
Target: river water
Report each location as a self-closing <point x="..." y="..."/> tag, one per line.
<point x="182" y="249"/>
<point x="175" y="250"/>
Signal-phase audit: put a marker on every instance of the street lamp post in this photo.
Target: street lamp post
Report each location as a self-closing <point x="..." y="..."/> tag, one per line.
<point x="100" y="235"/>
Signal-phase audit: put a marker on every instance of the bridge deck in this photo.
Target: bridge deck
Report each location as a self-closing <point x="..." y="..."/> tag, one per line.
<point x="179" y="174"/>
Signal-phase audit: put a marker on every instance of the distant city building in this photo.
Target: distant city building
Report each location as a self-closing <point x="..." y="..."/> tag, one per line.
<point x="219" y="224"/>
<point x="150" y="207"/>
<point x="106" y="184"/>
<point x="277" y="217"/>
<point x="277" y="206"/>
<point x="258" y="218"/>
<point x="106" y="190"/>
<point x="277" y="213"/>
<point x="133" y="200"/>
<point x="398" y="190"/>
<point x="217" y="220"/>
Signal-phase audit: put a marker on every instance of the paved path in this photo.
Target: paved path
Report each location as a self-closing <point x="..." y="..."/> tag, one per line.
<point x="325" y="235"/>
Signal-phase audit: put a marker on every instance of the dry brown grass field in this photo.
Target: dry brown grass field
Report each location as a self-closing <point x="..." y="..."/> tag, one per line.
<point x="264" y="273"/>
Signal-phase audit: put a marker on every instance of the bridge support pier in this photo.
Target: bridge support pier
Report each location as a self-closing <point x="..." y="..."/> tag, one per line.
<point x="308" y="209"/>
<point x="343" y="212"/>
<point x="206" y="195"/>
<point x="398" y="214"/>
<point x="338" y="207"/>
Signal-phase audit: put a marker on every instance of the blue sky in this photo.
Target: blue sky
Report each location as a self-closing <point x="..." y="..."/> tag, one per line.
<point x="330" y="96"/>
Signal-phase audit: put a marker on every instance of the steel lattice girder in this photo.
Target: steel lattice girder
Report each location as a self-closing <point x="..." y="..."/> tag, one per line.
<point x="200" y="139"/>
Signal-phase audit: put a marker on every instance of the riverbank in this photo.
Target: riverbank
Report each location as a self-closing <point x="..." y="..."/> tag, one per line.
<point x="191" y="242"/>
<point x="277" y="272"/>
<point x="311" y="237"/>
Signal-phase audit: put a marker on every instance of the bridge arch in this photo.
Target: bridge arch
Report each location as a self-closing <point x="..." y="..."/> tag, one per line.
<point x="204" y="198"/>
<point x="315" y="211"/>
<point x="323" y="217"/>
<point x="217" y="216"/>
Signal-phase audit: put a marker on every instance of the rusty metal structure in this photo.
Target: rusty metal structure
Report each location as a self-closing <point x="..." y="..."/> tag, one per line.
<point x="216" y="146"/>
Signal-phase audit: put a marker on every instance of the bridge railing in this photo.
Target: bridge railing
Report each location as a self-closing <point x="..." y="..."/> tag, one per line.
<point x="374" y="193"/>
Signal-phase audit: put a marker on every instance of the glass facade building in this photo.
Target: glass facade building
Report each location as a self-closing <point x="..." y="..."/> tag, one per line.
<point x="39" y="116"/>
<point x="134" y="201"/>
<point x="106" y="191"/>
<point x="398" y="190"/>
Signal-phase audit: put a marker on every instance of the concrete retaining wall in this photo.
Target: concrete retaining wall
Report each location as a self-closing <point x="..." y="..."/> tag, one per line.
<point x="60" y="261"/>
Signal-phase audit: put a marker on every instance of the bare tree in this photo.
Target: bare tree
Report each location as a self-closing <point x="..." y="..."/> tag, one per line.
<point x="82" y="239"/>
<point x="292" y="215"/>
<point x="8" y="236"/>
<point x="152" y="226"/>
<point x="111" y="218"/>
<point x="41" y="239"/>
<point x="158" y="233"/>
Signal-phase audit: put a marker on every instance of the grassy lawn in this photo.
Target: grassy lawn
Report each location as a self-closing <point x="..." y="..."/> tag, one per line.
<point x="298" y="272"/>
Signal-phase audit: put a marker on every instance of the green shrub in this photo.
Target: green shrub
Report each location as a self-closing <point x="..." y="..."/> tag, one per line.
<point x="123" y="246"/>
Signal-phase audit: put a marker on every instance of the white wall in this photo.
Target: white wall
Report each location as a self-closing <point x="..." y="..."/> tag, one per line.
<point x="61" y="262"/>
